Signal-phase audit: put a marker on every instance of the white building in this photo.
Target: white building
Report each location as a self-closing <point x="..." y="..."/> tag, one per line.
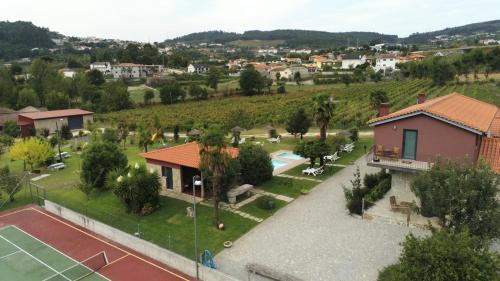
<point x="352" y="60"/>
<point x="134" y="71"/>
<point x="197" y="68"/>
<point x="377" y="47"/>
<point x="267" y="52"/>
<point x="104" y="67"/>
<point x="301" y="51"/>
<point x="67" y="72"/>
<point x="386" y="62"/>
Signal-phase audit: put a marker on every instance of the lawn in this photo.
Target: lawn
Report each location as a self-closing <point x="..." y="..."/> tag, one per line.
<point x="168" y="227"/>
<point x="137" y="94"/>
<point x="253" y="208"/>
<point x="286" y="186"/>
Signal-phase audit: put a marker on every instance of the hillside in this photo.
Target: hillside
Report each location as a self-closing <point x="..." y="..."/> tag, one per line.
<point x="352" y="104"/>
<point x="18" y="38"/>
<point x="464" y="30"/>
<point x="291" y="37"/>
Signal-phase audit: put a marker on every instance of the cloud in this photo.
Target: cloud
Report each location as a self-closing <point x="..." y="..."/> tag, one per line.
<point x="155" y="20"/>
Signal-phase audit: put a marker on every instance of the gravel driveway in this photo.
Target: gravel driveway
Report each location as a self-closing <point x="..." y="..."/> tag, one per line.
<point x="314" y="238"/>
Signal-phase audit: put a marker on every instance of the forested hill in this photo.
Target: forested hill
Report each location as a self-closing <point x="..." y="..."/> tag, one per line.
<point x="465" y="30"/>
<point x="18" y="38"/>
<point x="291" y="37"/>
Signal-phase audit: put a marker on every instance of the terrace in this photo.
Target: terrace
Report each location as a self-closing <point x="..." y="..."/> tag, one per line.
<point x="394" y="162"/>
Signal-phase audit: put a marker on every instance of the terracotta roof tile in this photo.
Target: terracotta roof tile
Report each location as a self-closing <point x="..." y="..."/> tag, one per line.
<point x="490" y="152"/>
<point x="185" y="154"/>
<point x="454" y="107"/>
<point x="494" y="130"/>
<point x="55" y="113"/>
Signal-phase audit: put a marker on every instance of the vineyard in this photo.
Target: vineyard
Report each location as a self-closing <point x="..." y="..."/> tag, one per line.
<point x="352" y="104"/>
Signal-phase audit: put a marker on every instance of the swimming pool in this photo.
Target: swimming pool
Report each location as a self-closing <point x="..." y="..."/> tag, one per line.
<point x="278" y="164"/>
<point x="289" y="155"/>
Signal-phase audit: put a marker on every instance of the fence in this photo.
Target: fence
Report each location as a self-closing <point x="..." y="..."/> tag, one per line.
<point x="149" y="249"/>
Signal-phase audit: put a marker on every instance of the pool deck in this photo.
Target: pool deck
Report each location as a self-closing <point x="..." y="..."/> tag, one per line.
<point x="290" y="163"/>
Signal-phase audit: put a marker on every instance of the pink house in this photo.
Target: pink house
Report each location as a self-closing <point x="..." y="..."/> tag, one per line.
<point x="453" y="127"/>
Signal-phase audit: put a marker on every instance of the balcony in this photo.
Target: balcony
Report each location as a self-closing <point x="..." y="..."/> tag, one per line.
<point x="393" y="162"/>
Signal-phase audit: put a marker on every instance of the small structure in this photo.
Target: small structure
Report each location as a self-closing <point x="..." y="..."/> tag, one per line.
<point x="51" y="120"/>
<point x="233" y="193"/>
<point x="271" y="131"/>
<point x="197" y="68"/>
<point x="352" y="60"/>
<point x="178" y="165"/>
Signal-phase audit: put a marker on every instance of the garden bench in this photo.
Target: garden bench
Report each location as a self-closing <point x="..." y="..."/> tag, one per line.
<point x="231" y="194"/>
<point x="56" y="166"/>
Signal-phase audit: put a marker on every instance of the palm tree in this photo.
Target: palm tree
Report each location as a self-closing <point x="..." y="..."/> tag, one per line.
<point x="322" y="112"/>
<point x="215" y="161"/>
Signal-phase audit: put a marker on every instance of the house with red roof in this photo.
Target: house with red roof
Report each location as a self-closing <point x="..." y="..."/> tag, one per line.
<point x="451" y="127"/>
<point x="32" y="123"/>
<point x="178" y="165"/>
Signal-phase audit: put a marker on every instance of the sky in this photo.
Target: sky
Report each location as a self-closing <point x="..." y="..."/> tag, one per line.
<point x="157" y="20"/>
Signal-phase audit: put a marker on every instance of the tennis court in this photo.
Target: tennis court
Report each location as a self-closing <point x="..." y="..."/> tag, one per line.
<point x="23" y="257"/>
<point x="38" y="246"/>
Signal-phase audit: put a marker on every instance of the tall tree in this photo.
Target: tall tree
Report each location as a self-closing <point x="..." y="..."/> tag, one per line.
<point x="43" y="77"/>
<point x="95" y="77"/>
<point x="251" y="82"/>
<point x="27" y="97"/>
<point x="32" y="151"/>
<point x="298" y="123"/>
<point x="323" y="112"/>
<point x="377" y="97"/>
<point x="215" y="160"/>
<point x="213" y="78"/>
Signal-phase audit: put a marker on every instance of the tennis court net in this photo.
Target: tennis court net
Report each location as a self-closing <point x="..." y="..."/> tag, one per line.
<point x="81" y="270"/>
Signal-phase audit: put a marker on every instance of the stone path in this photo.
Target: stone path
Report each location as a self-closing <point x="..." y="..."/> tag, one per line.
<point x="298" y="178"/>
<point x="314" y="238"/>
<point x="277" y="196"/>
<point x="228" y="208"/>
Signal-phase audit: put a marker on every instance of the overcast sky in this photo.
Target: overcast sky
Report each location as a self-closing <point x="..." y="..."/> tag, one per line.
<point x="156" y="20"/>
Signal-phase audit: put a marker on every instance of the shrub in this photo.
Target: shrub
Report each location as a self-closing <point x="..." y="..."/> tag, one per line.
<point x="379" y="191"/>
<point x="370" y="180"/>
<point x="66" y="132"/>
<point x="354" y="134"/>
<point x="256" y="165"/>
<point x="266" y="203"/>
<point x="110" y="135"/>
<point x="98" y="159"/>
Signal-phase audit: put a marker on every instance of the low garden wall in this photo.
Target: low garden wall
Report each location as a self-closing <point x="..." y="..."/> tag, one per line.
<point x="146" y="248"/>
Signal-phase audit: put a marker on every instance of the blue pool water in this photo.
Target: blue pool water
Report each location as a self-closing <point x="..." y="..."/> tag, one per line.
<point x="289" y="155"/>
<point x="278" y="164"/>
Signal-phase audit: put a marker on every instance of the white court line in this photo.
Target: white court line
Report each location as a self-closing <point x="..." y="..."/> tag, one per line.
<point x="33" y="257"/>
<point x="8" y="255"/>
<point x="49" y="246"/>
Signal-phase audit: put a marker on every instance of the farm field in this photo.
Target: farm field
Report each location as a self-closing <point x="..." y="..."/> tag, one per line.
<point x="352" y="104"/>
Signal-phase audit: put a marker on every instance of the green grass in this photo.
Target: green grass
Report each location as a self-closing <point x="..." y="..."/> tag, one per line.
<point x="253" y="208"/>
<point x="168" y="227"/>
<point x="286" y="186"/>
<point x="137" y="94"/>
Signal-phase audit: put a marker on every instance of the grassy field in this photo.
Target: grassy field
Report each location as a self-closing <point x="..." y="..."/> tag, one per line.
<point x="352" y="104"/>
<point x="137" y="94"/>
<point x="254" y="209"/>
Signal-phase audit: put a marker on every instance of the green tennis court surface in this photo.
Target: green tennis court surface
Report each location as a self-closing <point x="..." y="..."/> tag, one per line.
<point x="24" y="258"/>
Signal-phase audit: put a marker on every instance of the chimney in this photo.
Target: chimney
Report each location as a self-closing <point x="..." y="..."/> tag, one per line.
<point x="383" y="109"/>
<point x="421" y="98"/>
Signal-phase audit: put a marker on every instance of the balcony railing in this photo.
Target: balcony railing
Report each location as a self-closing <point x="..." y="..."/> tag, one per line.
<point x="396" y="163"/>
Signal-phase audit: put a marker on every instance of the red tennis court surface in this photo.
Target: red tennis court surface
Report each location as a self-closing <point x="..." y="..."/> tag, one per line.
<point x="79" y="243"/>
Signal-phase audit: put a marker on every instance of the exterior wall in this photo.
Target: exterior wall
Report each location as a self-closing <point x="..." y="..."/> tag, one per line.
<point x="176" y="175"/>
<point x="400" y="187"/>
<point x="385" y="63"/>
<point x="51" y="123"/>
<point x="434" y="138"/>
<point x="346" y="64"/>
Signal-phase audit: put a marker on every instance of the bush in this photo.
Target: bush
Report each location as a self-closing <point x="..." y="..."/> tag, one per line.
<point x="98" y="159"/>
<point x="256" y="165"/>
<point x="354" y="134"/>
<point x="379" y="191"/>
<point x="370" y="180"/>
<point x="266" y="203"/>
<point x="66" y="132"/>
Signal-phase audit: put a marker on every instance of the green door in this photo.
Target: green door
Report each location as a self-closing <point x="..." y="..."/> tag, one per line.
<point x="410" y="144"/>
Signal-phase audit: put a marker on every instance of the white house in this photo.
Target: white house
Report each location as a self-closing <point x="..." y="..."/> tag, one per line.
<point x="134" y="71"/>
<point x="377" y="47"/>
<point x="67" y="72"/>
<point x="386" y="62"/>
<point x="104" y="67"/>
<point x="352" y="60"/>
<point x="197" y="68"/>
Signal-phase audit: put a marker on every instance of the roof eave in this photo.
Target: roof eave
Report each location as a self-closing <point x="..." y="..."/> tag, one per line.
<point x="388" y="120"/>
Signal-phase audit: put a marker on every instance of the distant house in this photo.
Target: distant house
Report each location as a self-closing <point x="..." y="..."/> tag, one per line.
<point x="293" y="60"/>
<point x="104" y="67"/>
<point x="67" y="72"/>
<point x="197" y="68"/>
<point x="33" y="122"/>
<point x="300" y="51"/>
<point x="134" y="71"/>
<point x="178" y="165"/>
<point x="386" y="62"/>
<point x="321" y="61"/>
<point x="352" y="60"/>
<point x="289" y="72"/>
<point x="452" y="127"/>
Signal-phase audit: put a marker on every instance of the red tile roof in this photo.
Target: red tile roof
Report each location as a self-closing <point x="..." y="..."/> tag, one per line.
<point x="55" y="114"/>
<point x="494" y="130"/>
<point x="185" y="154"/>
<point x="454" y="107"/>
<point x="490" y="152"/>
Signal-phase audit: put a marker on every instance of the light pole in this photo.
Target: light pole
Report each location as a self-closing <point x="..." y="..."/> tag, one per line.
<point x="59" y="136"/>
<point x="197" y="181"/>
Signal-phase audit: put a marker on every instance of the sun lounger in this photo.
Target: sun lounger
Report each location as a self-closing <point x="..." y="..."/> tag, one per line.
<point x="56" y="166"/>
<point x="332" y="158"/>
<point x="275" y="140"/>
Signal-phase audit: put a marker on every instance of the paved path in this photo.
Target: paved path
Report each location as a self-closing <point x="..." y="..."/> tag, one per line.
<point x="313" y="238"/>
